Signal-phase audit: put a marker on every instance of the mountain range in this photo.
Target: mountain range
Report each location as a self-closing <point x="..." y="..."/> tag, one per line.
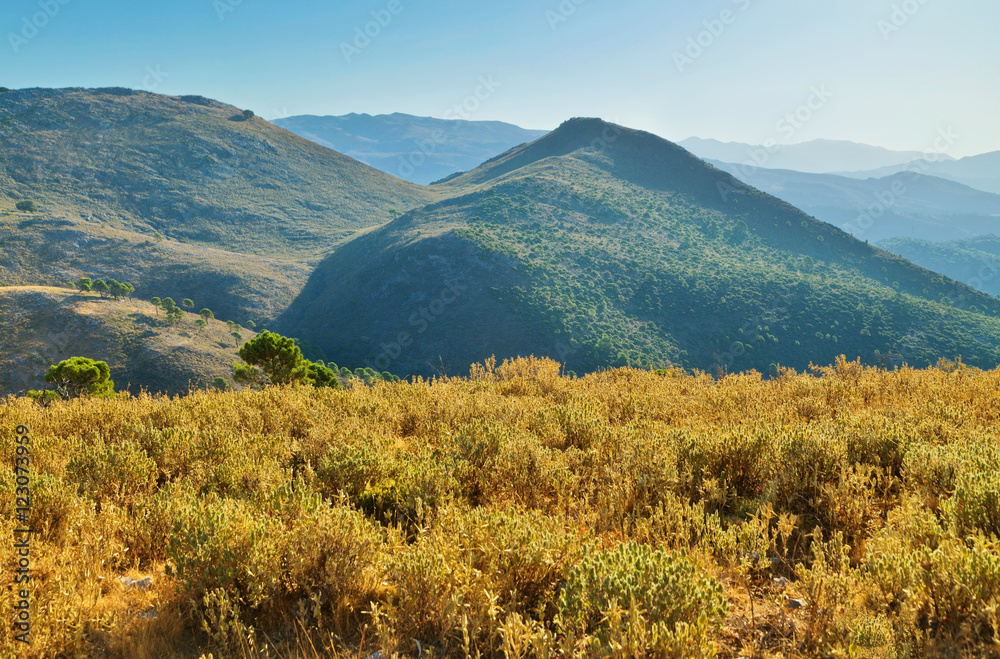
<point x="981" y="172"/>
<point x="418" y="149"/>
<point x="902" y="205"/>
<point x="594" y="244"/>
<point x="815" y="156"/>
<point x="603" y="246"/>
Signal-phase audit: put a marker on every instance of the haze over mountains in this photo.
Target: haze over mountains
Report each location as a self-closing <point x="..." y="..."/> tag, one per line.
<point x="981" y="171"/>
<point x="595" y="244"/>
<point x="905" y="204"/>
<point x="418" y="149"/>
<point x="815" y="156"/>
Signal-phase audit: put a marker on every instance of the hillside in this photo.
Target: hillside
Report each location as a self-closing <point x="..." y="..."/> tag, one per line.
<point x="44" y="325"/>
<point x="418" y="149"/>
<point x="906" y="204"/>
<point x="191" y="168"/>
<point x="814" y="156"/>
<point x="975" y="261"/>
<point x="52" y="249"/>
<point x="601" y="246"/>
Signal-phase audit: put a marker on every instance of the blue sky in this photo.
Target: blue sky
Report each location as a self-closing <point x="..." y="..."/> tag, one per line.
<point x="891" y="72"/>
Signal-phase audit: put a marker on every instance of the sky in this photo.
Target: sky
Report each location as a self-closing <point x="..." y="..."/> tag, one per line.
<point x="891" y="73"/>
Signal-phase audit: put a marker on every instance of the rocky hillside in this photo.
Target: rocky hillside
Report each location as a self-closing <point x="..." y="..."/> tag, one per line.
<point x="44" y="325"/>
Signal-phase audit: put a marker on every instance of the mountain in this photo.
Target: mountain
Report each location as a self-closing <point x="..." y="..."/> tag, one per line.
<point x="600" y="246"/>
<point x="975" y="261"/>
<point x="816" y="156"/>
<point x="193" y="169"/>
<point x="905" y="204"/>
<point x="418" y="149"/>
<point x="44" y="325"/>
<point x="182" y="196"/>
<point x="981" y="172"/>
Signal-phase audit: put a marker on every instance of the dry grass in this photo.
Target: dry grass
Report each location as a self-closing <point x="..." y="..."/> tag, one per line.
<point x="485" y="516"/>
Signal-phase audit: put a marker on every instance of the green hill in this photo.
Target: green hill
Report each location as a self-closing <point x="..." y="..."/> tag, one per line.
<point x="44" y="325"/>
<point x="601" y="246"/>
<point x="190" y="168"/>
<point x="975" y="261"/>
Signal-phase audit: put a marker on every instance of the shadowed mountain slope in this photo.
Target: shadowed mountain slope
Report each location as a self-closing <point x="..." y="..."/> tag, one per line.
<point x="599" y="246"/>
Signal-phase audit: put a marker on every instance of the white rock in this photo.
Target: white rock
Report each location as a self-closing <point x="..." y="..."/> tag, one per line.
<point x="131" y="583"/>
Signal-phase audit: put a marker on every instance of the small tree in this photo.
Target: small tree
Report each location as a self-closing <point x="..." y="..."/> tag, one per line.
<point x="322" y="376"/>
<point x="206" y="314"/>
<point x="119" y="290"/>
<point x="80" y="376"/>
<point x="187" y="303"/>
<point x="220" y="384"/>
<point x="238" y="338"/>
<point x="270" y="357"/>
<point x="26" y="206"/>
<point x="156" y="304"/>
<point x="252" y="325"/>
<point x="201" y="324"/>
<point x="101" y="287"/>
<point x="174" y="315"/>
<point x="85" y="284"/>
<point x="248" y="115"/>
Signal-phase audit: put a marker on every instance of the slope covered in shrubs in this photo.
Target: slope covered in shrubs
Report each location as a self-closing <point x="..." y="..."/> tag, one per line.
<point x="847" y="511"/>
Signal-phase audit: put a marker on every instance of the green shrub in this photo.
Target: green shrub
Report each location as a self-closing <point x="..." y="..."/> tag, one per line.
<point x="648" y="597"/>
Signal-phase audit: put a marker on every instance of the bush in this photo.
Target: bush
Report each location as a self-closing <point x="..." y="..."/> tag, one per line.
<point x="80" y="376"/>
<point x="27" y="206"/>
<point x="658" y="602"/>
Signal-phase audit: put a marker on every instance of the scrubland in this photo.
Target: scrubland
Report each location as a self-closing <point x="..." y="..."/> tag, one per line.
<point x="843" y="512"/>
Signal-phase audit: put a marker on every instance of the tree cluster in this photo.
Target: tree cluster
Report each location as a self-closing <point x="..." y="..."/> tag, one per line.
<point x="111" y="287"/>
<point x="274" y="359"/>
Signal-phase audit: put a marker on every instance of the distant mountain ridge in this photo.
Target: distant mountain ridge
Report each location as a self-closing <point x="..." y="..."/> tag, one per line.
<point x="981" y="172"/>
<point x="905" y="204"/>
<point x="418" y="149"/>
<point x="814" y="157"/>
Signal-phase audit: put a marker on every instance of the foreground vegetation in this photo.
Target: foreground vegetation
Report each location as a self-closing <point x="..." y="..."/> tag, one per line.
<point x="847" y="512"/>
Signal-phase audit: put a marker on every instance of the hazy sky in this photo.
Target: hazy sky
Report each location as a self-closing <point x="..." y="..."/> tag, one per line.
<point x="885" y="72"/>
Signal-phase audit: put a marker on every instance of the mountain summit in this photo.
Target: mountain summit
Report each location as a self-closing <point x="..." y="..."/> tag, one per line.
<point x="599" y="246"/>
